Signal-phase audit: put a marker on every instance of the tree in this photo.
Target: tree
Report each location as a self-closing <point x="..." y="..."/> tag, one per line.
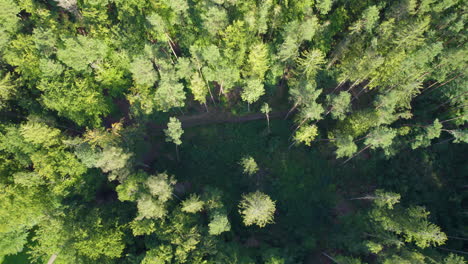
<point x="340" y="105"/>
<point x="161" y="186"/>
<point x="169" y="94"/>
<point x="193" y="204"/>
<point x="266" y="109"/>
<point x="7" y="90"/>
<point x="310" y="62"/>
<point x="324" y="6"/>
<point x="174" y="132"/>
<point x="78" y="99"/>
<point x="306" y="134"/>
<point x="345" y="146"/>
<point x="252" y="91"/>
<point x="411" y="223"/>
<point x="428" y="133"/>
<point x="198" y="88"/>
<point x="257" y="61"/>
<point x="9" y="21"/>
<point x="249" y="165"/>
<point x="150" y="208"/>
<point x="257" y="208"/>
<point x="219" y="223"/>
<point x="143" y="71"/>
<point x="112" y="158"/>
<point x="80" y="52"/>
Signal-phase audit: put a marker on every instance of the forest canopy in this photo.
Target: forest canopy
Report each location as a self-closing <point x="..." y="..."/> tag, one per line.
<point x="233" y="131"/>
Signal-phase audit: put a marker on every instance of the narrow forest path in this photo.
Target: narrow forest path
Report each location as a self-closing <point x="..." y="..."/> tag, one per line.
<point x="217" y="117"/>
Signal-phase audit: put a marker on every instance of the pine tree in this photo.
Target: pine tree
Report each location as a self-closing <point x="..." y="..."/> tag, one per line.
<point x="252" y="91"/>
<point x="174" y="132"/>
<point x="249" y="165"/>
<point x="266" y="109"/>
<point x="257" y="208"/>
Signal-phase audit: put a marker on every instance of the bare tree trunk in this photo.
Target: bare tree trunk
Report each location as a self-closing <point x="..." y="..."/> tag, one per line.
<point x="206" y="107"/>
<point x="268" y="121"/>
<point x="292" y="144"/>
<point x="448" y="101"/>
<point x="248" y="107"/>
<point x="303" y="121"/>
<point x="354" y="84"/>
<point x="292" y="109"/>
<point x="221" y="90"/>
<point x="177" y="153"/>
<point x="207" y="85"/>
<point x="355" y="155"/>
<point x="170" y="43"/>
<point x="339" y="85"/>
<point x="52" y="259"/>
<point x="367" y="197"/>
<point x="211" y="95"/>
<point x="332" y="259"/>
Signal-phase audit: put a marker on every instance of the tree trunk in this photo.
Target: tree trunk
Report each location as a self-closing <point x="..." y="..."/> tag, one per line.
<point x="332" y="259"/>
<point x="354" y="84"/>
<point x="268" y="122"/>
<point x="292" y="109"/>
<point x="207" y="85"/>
<point x="339" y="85"/>
<point x="355" y="155"/>
<point x="248" y="107"/>
<point x="52" y="259"/>
<point x="170" y="43"/>
<point x="177" y="152"/>
<point x="206" y="107"/>
<point x="367" y="197"/>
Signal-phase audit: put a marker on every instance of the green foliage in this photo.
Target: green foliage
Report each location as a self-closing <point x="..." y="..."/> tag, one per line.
<point x="193" y="204"/>
<point x="249" y="165"/>
<point x="174" y="131"/>
<point x="85" y="87"/>
<point x="258" y="61"/>
<point x="257" y="208"/>
<point x="77" y="99"/>
<point x="150" y="208"/>
<point x="143" y="72"/>
<point x="311" y="62"/>
<point x="112" y="158"/>
<point x="161" y="186"/>
<point x="427" y="134"/>
<point x="345" y="146"/>
<point x="219" y="223"/>
<point x="411" y="223"/>
<point x="252" y="91"/>
<point x="380" y="137"/>
<point x="306" y="134"/>
<point x="340" y="105"/>
<point x="9" y="21"/>
<point x="81" y="52"/>
<point x="169" y="94"/>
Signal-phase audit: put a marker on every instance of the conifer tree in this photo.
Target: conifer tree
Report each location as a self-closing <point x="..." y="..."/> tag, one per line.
<point x="257" y="208"/>
<point x="174" y="132"/>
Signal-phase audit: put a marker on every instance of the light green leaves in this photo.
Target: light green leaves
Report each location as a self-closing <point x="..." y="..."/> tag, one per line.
<point x="249" y="165"/>
<point x="174" y="131"/>
<point x="306" y="134"/>
<point x="257" y="208"/>
<point x="310" y="62"/>
<point x="252" y="91"/>
<point x="82" y="51"/>
<point x="219" y="223"/>
<point x="192" y="204"/>
<point x="143" y="71"/>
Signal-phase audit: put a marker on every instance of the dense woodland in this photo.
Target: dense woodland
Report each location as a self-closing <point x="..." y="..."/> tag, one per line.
<point x="233" y="131"/>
